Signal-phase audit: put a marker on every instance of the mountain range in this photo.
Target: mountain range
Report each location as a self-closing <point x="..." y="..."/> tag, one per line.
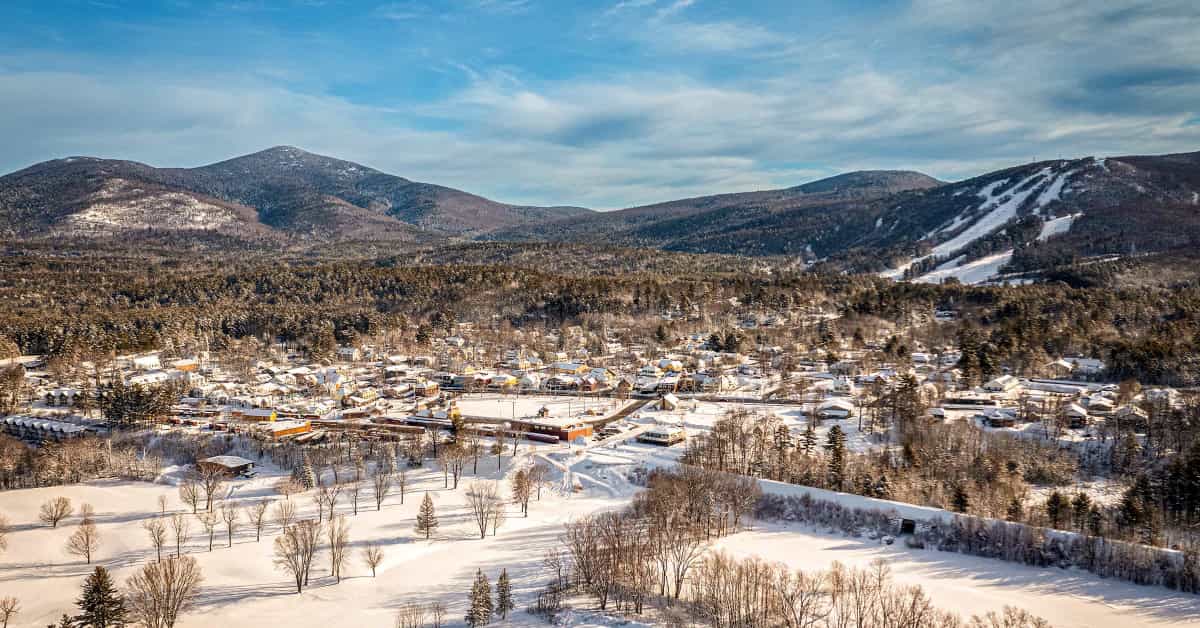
<point x="1005" y="224"/>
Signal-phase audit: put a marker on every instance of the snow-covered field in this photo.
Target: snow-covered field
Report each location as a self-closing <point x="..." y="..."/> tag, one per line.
<point x="242" y="588"/>
<point x="500" y="406"/>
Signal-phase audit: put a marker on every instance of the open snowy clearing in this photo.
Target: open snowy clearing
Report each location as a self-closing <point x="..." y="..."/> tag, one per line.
<point x="969" y="585"/>
<point x="242" y="588"/>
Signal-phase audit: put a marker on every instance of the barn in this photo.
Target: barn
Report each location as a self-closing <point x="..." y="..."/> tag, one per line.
<point x="229" y="465"/>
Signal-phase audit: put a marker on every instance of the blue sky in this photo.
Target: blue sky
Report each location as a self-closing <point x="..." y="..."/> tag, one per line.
<point x="604" y="104"/>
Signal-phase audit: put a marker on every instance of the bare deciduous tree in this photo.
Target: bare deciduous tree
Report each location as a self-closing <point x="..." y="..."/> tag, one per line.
<point x="382" y="485"/>
<point x="373" y="556"/>
<point x="288" y="487"/>
<point x="401" y="482"/>
<point x="295" y="549"/>
<point x="54" y="511"/>
<point x="189" y="492"/>
<point x="9" y="608"/>
<point x="157" y="531"/>
<point x="483" y="500"/>
<point x="84" y="541"/>
<point x="256" y="514"/>
<point x="285" y="513"/>
<point x="209" y="520"/>
<point x="179" y="529"/>
<point x="229" y="514"/>
<point x="161" y="592"/>
<point x="354" y="487"/>
<point x="212" y="482"/>
<point x="338" y="537"/>
<point x="539" y="476"/>
<point x="437" y="614"/>
<point x="411" y="615"/>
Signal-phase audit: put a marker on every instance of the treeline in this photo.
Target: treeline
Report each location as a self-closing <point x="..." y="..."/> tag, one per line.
<point x="79" y="306"/>
<point x="962" y="468"/>
<point x="658" y="552"/>
<point x="756" y="593"/>
<point x="1002" y="540"/>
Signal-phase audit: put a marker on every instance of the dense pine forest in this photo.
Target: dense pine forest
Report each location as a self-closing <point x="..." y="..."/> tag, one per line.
<point x="100" y="302"/>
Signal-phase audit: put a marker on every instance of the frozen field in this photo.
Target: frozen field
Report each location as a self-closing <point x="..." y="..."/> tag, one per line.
<point x="242" y="588"/>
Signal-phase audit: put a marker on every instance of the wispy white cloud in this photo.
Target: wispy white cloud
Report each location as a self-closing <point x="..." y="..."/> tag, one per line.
<point x="690" y="103"/>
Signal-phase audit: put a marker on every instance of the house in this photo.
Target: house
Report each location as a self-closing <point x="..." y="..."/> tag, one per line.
<point x="1076" y="415"/>
<point x="668" y="402"/>
<point x="562" y="428"/>
<point x="664" y="435"/>
<point x="998" y="418"/>
<point x="229" y="465"/>
<point x="1086" y="366"/>
<point x="1099" y="404"/>
<point x="281" y="429"/>
<point x="349" y="354"/>
<point x="33" y="428"/>
<point x="147" y="362"/>
<point x="253" y="414"/>
<point x="61" y="397"/>
<point x="1001" y="384"/>
<point x="149" y="378"/>
<point x="569" y="368"/>
<point x="1130" y="413"/>
<point x="835" y="409"/>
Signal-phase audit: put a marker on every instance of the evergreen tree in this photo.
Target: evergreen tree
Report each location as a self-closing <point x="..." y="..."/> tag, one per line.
<point x="479" y="611"/>
<point x="426" y="517"/>
<point x="304" y="474"/>
<point x="960" y="501"/>
<point x="1095" y="523"/>
<point x="1016" y="510"/>
<point x="1056" y="508"/>
<point x="835" y="447"/>
<point x="1080" y="507"/>
<point x="883" y="488"/>
<point x="808" y="442"/>
<point x="504" y="598"/>
<point x="101" y="604"/>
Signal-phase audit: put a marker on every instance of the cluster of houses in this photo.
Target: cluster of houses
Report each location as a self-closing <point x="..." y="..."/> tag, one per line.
<point x="282" y="395"/>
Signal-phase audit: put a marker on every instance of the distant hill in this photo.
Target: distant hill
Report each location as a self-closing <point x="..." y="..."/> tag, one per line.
<point x="793" y="220"/>
<point x="280" y="192"/>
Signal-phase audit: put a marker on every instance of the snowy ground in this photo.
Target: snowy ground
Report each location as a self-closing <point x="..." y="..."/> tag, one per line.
<point x="242" y="588"/>
<point x="500" y="406"/>
<point x="973" y="272"/>
<point x="968" y="585"/>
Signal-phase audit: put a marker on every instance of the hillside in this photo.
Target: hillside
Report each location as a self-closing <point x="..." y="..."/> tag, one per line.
<point x="1042" y="215"/>
<point x="768" y="222"/>
<point x="283" y="194"/>
<point x="1013" y="223"/>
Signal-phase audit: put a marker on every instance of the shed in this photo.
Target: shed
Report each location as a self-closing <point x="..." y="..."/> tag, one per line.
<point x="230" y="465"/>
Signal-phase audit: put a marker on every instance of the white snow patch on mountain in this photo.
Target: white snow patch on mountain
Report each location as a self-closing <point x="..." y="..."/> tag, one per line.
<point x="1053" y="191"/>
<point x="1056" y="226"/>
<point x="974" y="272"/>
<point x="121" y="206"/>
<point x="1000" y="212"/>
